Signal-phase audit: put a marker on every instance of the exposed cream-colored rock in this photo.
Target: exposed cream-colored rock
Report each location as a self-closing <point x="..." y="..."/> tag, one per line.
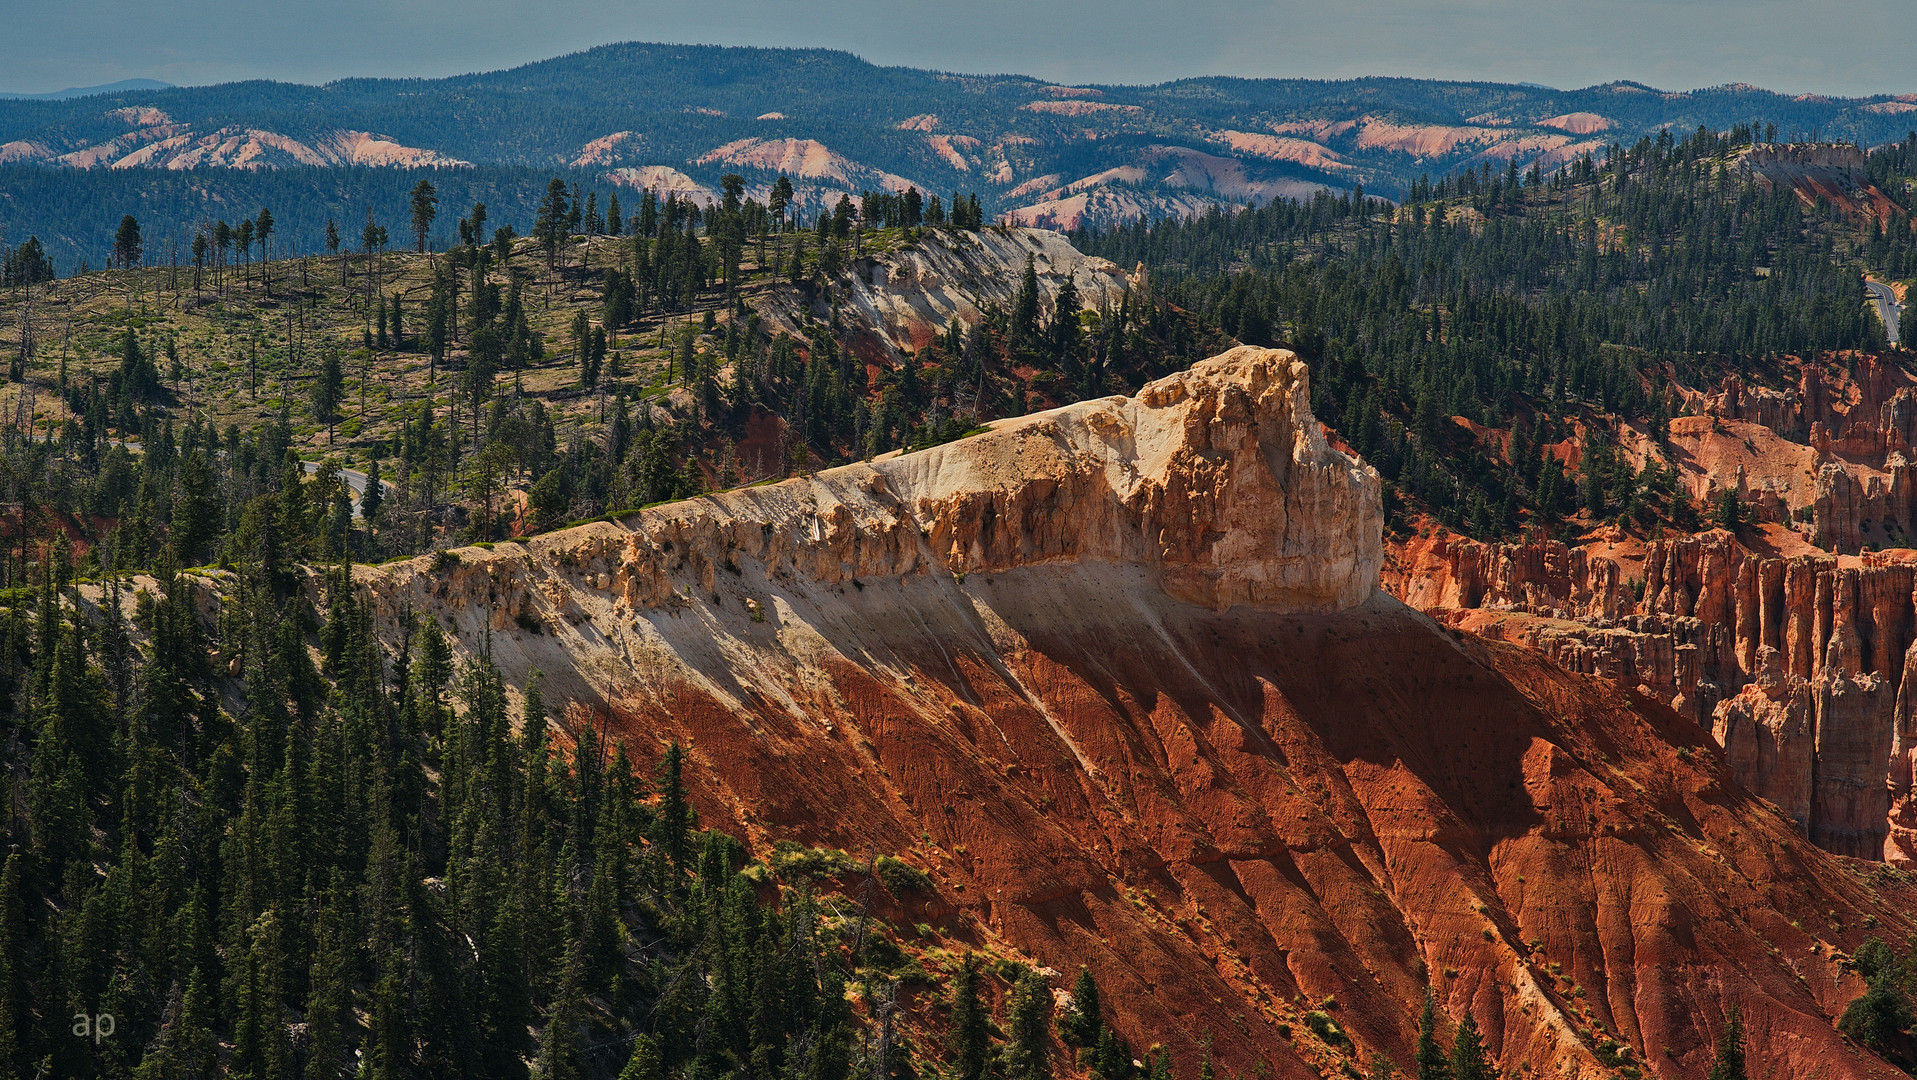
<point x="905" y="296"/>
<point x="1218" y="479"/>
<point x="1766" y="732"/>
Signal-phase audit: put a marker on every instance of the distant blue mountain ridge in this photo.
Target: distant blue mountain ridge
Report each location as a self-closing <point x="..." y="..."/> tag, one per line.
<point x="678" y="118"/>
<point x="89" y="91"/>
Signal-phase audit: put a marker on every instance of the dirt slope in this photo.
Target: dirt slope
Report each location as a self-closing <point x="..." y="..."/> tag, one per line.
<point x="903" y="298"/>
<point x="156" y="140"/>
<point x="1120" y="679"/>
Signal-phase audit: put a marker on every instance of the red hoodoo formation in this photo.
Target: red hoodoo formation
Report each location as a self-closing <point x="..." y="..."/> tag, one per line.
<point x="1797" y="665"/>
<point x="1842" y="461"/>
<point x="1118" y="677"/>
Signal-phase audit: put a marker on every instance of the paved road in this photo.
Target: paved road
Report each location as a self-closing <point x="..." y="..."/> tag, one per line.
<point x="1888" y="309"/>
<point x="355" y="482"/>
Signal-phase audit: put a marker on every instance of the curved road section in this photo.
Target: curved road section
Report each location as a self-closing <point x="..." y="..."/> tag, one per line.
<point x="1888" y="309"/>
<point x="355" y="482"/>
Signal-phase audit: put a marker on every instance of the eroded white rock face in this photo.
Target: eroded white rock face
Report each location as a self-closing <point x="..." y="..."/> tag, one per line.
<point x="1217" y="483"/>
<point x="907" y="296"/>
<point x="1218" y="477"/>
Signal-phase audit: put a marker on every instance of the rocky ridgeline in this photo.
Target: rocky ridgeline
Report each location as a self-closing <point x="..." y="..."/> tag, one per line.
<point x="1799" y="666"/>
<point x="1118" y="679"/>
<point x="1217" y="478"/>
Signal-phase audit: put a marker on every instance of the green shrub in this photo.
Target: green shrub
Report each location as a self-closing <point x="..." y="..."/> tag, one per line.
<point x="1878" y="1018"/>
<point x="792" y="862"/>
<point x="1323" y="1026"/>
<point x="902" y="877"/>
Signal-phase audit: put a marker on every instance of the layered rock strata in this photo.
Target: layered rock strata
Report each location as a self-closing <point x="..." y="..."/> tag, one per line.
<point x="1796" y="665"/>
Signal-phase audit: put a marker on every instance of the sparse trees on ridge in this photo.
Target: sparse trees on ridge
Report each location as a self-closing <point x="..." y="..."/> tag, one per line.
<point x="262" y="232"/>
<point x="425" y="206"/>
<point x="127" y="245"/>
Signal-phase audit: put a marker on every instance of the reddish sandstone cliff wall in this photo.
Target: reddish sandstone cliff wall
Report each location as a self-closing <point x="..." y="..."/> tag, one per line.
<point x="1796" y="665"/>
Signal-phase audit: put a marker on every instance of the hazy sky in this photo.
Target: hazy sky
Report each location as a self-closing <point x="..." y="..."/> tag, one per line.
<point x="1849" y="47"/>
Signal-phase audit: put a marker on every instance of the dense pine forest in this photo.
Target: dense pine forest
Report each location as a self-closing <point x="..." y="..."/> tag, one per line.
<point x="229" y="858"/>
<point x="1544" y="306"/>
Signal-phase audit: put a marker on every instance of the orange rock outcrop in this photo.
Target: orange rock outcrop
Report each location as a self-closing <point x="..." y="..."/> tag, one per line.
<point x="1796" y="665"/>
<point x="1119" y="679"/>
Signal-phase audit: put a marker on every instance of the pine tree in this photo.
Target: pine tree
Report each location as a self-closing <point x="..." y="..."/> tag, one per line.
<point x="970" y="1038"/>
<point x="1111" y="1056"/>
<point x="1727" y="510"/>
<point x="262" y="233"/>
<point x="425" y="206"/>
<point x="1083" y="1022"/>
<point x="673" y="825"/>
<point x="260" y="1044"/>
<point x="127" y="245"/>
<point x="1729" y="1063"/>
<point x="432" y="670"/>
<point x="1429" y="1056"/>
<point x="138" y="377"/>
<point x="243" y="242"/>
<point x="328" y="391"/>
<point x="1161" y="1062"/>
<point x="645" y="1062"/>
<point x="385" y="1047"/>
<point x="582" y="344"/>
<point x="374" y="496"/>
<point x="1026" y="1056"/>
<point x="550" y="227"/>
<point x="1468" y="1060"/>
<point x="1067" y="336"/>
<point x="187" y="1046"/>
<point x="329" y="997"/>
<point x="1025" y="307"/>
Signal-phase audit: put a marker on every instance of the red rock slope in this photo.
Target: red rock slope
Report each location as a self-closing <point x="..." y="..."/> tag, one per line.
<point x="1119" y="678"/>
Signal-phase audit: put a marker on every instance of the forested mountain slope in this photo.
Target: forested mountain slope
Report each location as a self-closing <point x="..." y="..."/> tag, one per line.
<point x="1287" y="826"/>
<point x="1520" y="351"/>
<point x="640" y="114"/>
<point x="510" y="387"/>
